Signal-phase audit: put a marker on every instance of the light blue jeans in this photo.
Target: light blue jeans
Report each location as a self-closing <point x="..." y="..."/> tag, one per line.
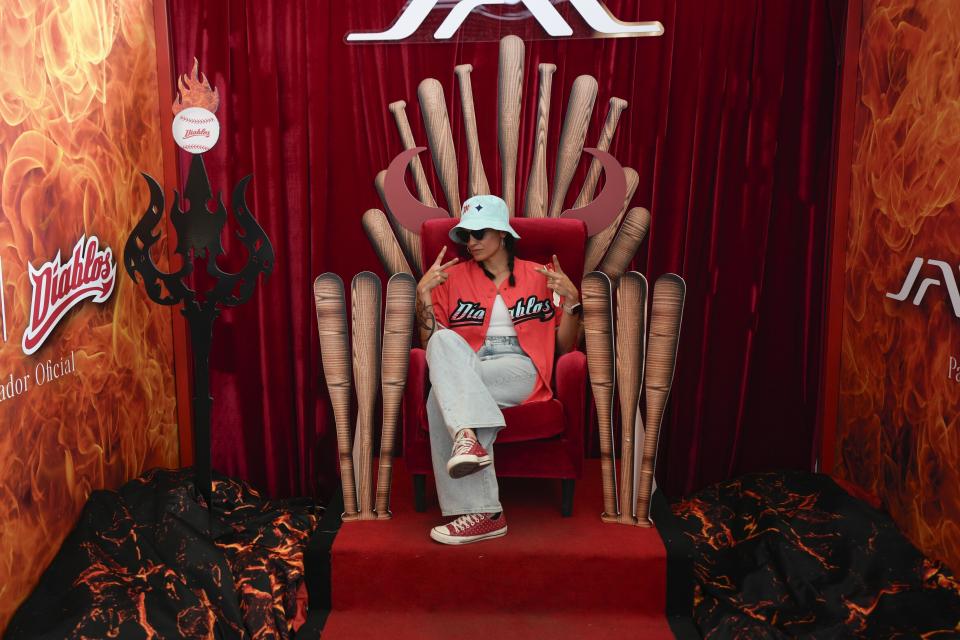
<point x="468" y="390"/>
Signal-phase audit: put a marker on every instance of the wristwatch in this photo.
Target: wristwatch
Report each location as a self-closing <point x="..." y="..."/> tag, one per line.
<point x="576" y="309"/>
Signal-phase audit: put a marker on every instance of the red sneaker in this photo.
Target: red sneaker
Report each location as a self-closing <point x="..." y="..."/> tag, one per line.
<point x="467" y="456"/>
<point x="472" y="527"/>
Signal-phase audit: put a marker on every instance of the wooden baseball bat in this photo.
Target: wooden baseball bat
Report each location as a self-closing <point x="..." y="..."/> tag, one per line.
<point x="378" y="230"/>
<point x="509" y="96"/>
<point x="580" y="107"/>
<point x="598" y="326"/>
<point x="614" y="110"/>
<point x="631" y="323"/>
<point x="668" y="297"/>
<point x="365" y="298"/>
<point x="477" y="182"/>
<point x="397" y="336"/>
<point x="409" y="241"/>
<point x="632" y="232"/>
<point x="335" y="355"/>
<point x="598" y="244"/>
<point x="537" y="188"/>
<point x="433" y="107"/>
<point x="399" y="111"/>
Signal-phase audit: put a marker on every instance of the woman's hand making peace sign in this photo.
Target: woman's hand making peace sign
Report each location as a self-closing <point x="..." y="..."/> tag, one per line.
<point x="560" y="283"/>
<point x="435" y="275"/>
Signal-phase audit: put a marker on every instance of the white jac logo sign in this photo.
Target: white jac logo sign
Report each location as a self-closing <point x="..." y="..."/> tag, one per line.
<point x="597" y="16"/>
<point x="949" y="283"/>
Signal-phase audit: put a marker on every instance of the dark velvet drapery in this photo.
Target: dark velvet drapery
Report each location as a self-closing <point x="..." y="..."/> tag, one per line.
<point x="729" y="127"/>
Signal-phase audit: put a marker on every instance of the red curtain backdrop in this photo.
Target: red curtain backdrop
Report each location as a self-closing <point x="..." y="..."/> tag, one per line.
<point x="729" y="127"/>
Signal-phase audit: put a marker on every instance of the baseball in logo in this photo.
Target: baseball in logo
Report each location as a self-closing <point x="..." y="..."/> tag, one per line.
<point x="196" y="130"/>
<point x="89" y="274"/>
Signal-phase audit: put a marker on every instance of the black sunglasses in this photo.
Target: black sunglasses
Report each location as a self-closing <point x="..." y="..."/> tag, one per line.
<point x="463" y="234"/>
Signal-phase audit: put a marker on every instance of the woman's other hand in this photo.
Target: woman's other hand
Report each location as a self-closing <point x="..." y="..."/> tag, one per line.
<point x="436" y="274"/>
<point x="560" y="282"/>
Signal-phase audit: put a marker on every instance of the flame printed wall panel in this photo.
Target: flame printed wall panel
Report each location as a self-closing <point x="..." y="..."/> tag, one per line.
<point x="79" y="119"/>
<point x="898" y="432"/>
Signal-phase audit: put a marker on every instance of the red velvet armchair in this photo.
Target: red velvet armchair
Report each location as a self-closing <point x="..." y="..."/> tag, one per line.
<point x="542" y="439"/>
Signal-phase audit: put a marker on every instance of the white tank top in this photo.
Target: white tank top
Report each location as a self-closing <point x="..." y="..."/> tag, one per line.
<point x="501" y="324"/>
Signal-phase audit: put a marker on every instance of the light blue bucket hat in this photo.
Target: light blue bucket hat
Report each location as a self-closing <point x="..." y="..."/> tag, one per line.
<point x="483" y="212"/>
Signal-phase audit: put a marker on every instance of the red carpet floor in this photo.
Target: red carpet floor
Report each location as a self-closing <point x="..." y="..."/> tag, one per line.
<point x="549" y="577"/>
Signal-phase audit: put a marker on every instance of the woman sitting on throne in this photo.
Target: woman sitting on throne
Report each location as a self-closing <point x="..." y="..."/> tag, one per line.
<point x="492" y="326"/>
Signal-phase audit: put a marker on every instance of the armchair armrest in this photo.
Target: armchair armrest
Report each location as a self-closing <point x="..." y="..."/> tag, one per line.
<point x="571" y="383"/>
<point x="416" y="450"/>
<point x="417" y="375"/>
<point x="415" y="392"/>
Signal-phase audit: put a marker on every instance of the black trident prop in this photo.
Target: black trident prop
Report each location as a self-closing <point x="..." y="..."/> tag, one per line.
<point x="198" y="236"/>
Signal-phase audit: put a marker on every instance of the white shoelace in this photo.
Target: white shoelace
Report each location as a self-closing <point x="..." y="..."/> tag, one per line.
<point x="465" y="521"/>
<point x="463" y="445"/>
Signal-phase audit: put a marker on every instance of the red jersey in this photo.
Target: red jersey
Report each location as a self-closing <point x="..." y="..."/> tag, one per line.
<point x="464" y="302"/>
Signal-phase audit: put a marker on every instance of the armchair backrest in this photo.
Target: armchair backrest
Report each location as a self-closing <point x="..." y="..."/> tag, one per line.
<point x="540" y="238"/>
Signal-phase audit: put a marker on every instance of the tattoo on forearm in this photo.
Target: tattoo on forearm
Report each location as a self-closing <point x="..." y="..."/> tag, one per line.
<point x="425" y="318"/>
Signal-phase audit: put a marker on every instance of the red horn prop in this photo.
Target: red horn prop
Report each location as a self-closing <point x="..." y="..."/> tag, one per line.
<point x="606" y="206"/>
<point x="409" y="212"/>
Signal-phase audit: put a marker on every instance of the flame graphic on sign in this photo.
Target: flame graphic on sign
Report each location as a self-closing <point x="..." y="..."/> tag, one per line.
<point x="899" y="428"/>
<point x="78" y="122"/>
<point x="195" y="91"/>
